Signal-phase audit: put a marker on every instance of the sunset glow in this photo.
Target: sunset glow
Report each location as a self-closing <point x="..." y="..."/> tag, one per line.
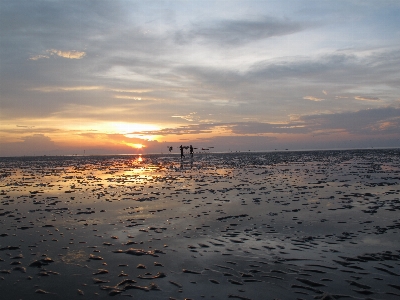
<point x="136" y="146"/>
<point x="130" y="128"/>
<point x="251" y="75"/>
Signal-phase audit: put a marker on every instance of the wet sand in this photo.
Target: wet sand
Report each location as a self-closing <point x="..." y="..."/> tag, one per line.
<point x="282" y="225"/>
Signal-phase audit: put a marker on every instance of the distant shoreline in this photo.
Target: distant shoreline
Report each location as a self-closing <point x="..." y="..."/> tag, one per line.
<point x="207" y="153"/>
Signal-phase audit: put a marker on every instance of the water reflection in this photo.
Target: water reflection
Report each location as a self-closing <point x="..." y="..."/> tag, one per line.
<point x="307" y="204"/>
<point x="188" y="165"/>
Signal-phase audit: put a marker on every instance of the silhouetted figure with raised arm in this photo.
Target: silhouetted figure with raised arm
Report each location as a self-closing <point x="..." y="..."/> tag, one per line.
<point x="191" y="151"/>
<point x="181" y="148"/>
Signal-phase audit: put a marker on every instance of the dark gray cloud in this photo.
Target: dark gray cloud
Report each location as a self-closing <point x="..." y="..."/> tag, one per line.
<point x="278" y="85"/>
<point x="64" y="20"/>
<point x="302" y="67"/>
<point x="182" y="130"/>
<point x="35" y="144"/>
<point x="239" y="32"/>
<point x="232" y="143"/>
<point x="29" y="29"/>
<point x="371" y="121"/>
<point x="384" y="120"/>
<point x="259" y="128"/>
<point x="31" y="130"/>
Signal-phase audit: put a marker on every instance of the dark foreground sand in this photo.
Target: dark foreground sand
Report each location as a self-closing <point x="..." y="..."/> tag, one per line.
<point x="292" y="225"/>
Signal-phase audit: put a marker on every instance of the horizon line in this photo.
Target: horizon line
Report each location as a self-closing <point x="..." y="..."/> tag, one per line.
<point x="202" y="153"/>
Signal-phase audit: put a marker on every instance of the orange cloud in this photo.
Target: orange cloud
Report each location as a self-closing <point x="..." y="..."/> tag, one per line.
<point x="361" y="98"/>
<point x="70" y="54"/>
<point x="311" y="98"/>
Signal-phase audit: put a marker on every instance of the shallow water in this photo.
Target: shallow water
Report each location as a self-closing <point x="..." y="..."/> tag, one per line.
<point x="282" y="225"/>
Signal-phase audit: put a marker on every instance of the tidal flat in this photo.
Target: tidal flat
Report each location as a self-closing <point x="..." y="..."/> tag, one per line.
<point x="274" y="225"/>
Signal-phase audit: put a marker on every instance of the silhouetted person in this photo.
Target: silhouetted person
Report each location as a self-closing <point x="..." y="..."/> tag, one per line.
<point x="181" y="148"/>
<point x="191" y="150"/>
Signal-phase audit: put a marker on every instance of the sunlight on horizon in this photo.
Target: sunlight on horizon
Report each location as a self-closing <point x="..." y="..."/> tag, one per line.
<point x="136" y="146"/>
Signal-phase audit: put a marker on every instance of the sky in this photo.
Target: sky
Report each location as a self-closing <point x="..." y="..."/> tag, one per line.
<point x="128" y="77"/>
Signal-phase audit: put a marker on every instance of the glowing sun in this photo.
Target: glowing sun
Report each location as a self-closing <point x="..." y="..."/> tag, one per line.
<point x="137" y="146"/>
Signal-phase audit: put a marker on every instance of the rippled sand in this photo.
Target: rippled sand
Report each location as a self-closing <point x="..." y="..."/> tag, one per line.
<point x="284" y="225"/>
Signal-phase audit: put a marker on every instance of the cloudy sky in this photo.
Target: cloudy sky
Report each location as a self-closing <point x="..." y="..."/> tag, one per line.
<point x="98" y="77"/>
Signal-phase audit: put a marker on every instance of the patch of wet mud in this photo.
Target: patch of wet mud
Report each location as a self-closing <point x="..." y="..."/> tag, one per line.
<point x="288" y="225"/>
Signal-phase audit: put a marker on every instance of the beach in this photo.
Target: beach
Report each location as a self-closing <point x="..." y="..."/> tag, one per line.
<point x="273" y="225"/>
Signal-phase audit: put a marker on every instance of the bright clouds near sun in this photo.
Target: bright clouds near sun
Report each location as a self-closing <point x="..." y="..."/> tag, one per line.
<point x="132" y="130"/>
<point x="70" y="54"/>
